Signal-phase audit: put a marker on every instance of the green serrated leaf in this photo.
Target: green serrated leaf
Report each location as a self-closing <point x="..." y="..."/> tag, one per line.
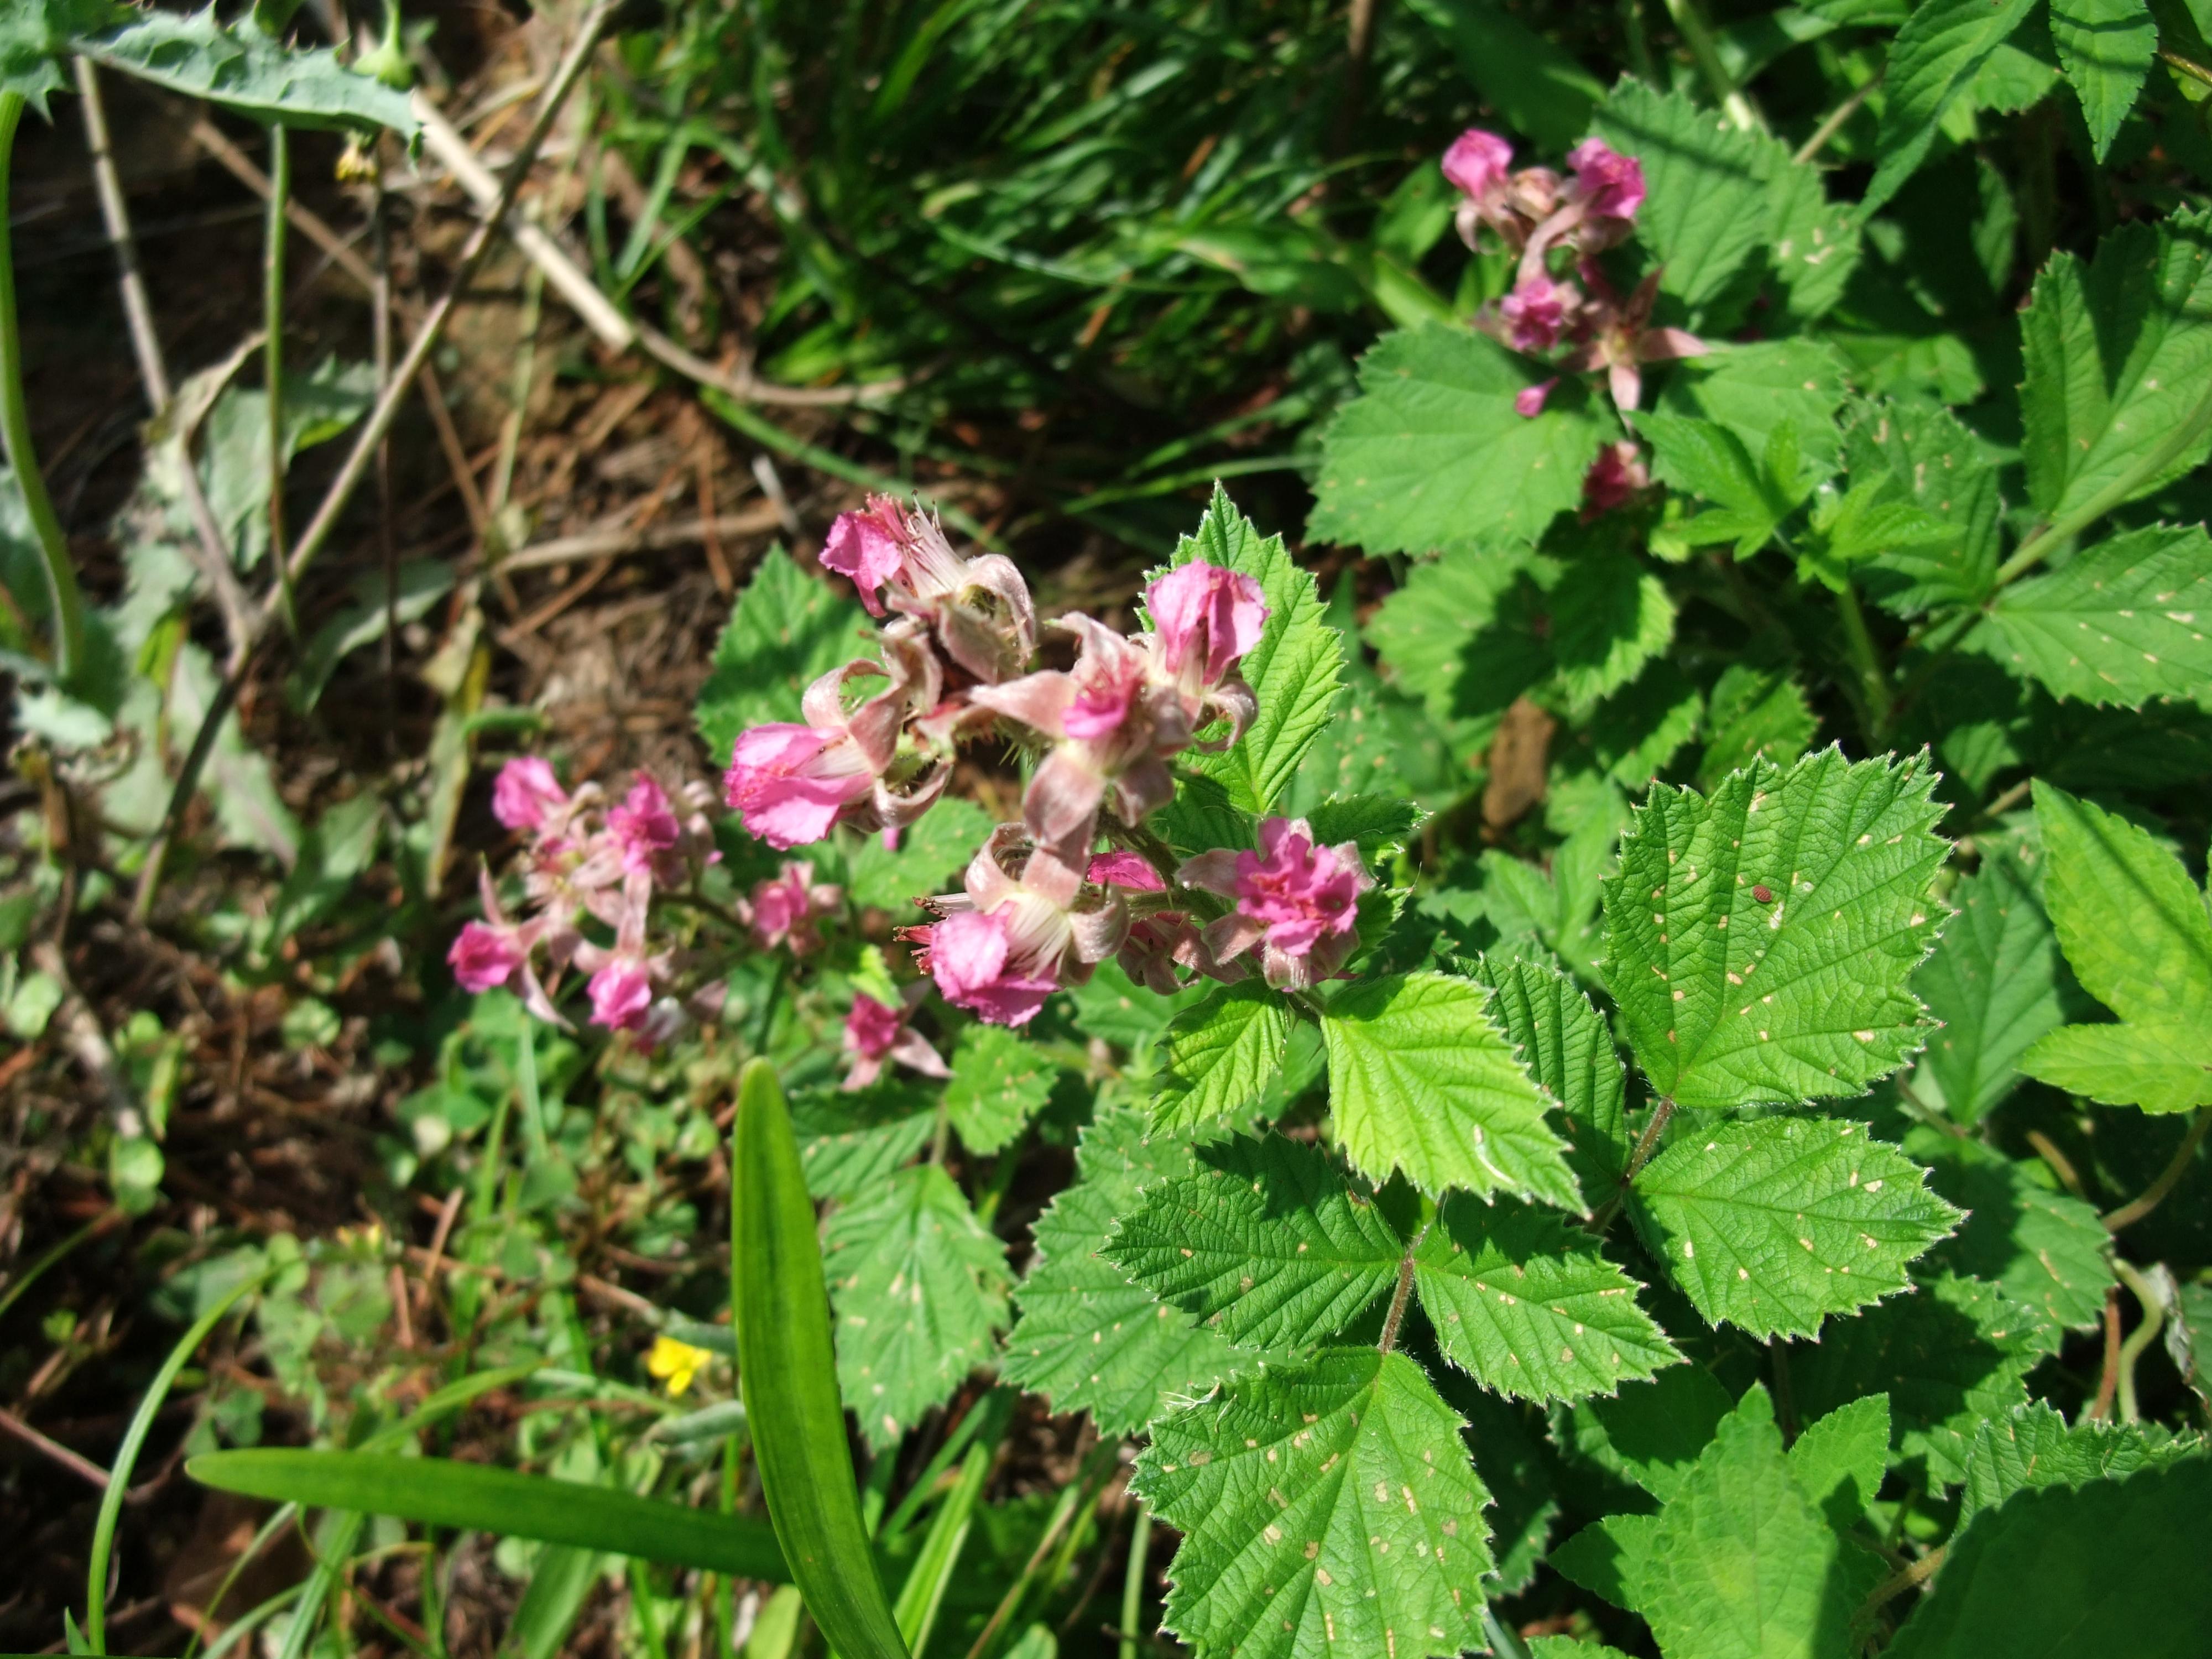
<point x="1087" y="1337"/>
<point x="1950" y="1354"/>
<point x="1754" y="714"/>
<point x="36" y="35"/>
<point x="1530" y="1307"/>
<point x="849" y="1143"/>
<point x="1995" y="982"/>
<point x="2106" y="48"/>
<point x="1838" y="1461"/>
<point x="1220" y="1055"/>
<point x="2124" y="622"/>
<point x="1422" y="1080"/>
<point x="1651" y="1432"/>
<point x="1610" y="615"/>
<point x="1775" y="1223"/>
<point x="1741" y="1564"/>
<point x="1703" y="458"/>
<point x="1326" y="1508"/>
<point x="2161" y="1066"/>
<point x="1379" y="825"/>
<point x="1844" y="854"/>
<point x="250" y="72"/>
<point x="2033" y="1448"/>
<point x="2044" y="1249"/>
<point x="1607" y="1558"/>
<point x="1706" y="214"/>
<point x="1753" y="389"/>
<point x="1267" y="1241"/>
<point x="787" y="631"/>
<point x="1925" y="458"/>
<point x="929" y="859"/>
<point x="1447" y="638"/>
<point x="1936" y="56"/>
<point x="2124" y="1559"/>
<point x="2133" y="925"/>
<point x="1433" y="453"/>
<point x="1295" y="671"/>
<point x="1559" y="1036"/>
<point x="2118" y="353"/>
<point x="998" y="1083"/>
<point x="919" y="1285"/>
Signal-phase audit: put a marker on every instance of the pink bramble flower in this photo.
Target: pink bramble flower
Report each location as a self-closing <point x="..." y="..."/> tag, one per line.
<point x="483" y="958"/>
<point x="623" y="978"/>
<point x="1614" y="478"/>
<point x="1205" y="621"/>
<point x="1528" y="402"/>
<point x="524" y="792"/>
<point x="1297" y="902"/>
<point x="620" y="993"/>
<point x="877" y="1032"/>
<point x="1023" y="925"/>
<point x="1160" y="938"/>
<point x="782" y="910"/>
<point x="1536" y="314"/>
<point x="643" y="827"/>
<point x="1610" y="187"/>
<point x="1476" y="163"/>
<point x="1618" y="338"/>
<point x="489" y="953"/>
<point x="791" y="782"/>
<point x="979" y="609"/>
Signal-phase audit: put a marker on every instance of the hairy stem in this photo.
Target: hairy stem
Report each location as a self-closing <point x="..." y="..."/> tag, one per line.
<point x="1645" y="1143"/>
<point x="272" y="357"/>
<point x="1919" y="1572"/>
<point x="16" y="433"/>
<point x="1398" y="1297"/>
<point x="2168" y="1178"/>
<point x="1833" y="124"/>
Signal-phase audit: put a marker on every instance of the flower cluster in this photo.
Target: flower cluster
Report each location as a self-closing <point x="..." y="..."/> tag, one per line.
<point x="1561" y="295"/>
<point x="586" y="858"/>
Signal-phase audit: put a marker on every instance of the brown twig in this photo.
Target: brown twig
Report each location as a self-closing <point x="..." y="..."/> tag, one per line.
<point x="2108" y="1382"/>
<point x="62" y="1455"/>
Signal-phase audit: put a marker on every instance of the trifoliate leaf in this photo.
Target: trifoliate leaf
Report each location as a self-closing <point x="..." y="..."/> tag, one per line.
<point x="1089" y="1339"/>
<point x="850" y="1143"/>
<point x="1267" y="1241"/>
<point x="1650" y="1432"/>
<point x="1838" y="1461"/>
<point x="930" y="857"/>
<point x="248" y="71"/>
<point x="1421" y="1080"/>
<point x="1220" y="1054"/>
<point x="2125" y="621"/>
<point x="1935" y="57"/>
<point x="2106" y="48"/>
<point x="2044" y="1249"/>
<point x="1775" y="1223"/>
<point x="1610" y="615"/>
<point x="2133" y="925"/>
<point x="1567" y="1048"/>
<point x="1995" y="982"/>
<point x="2122" y="1558"/>
<point x="1741" y="1564"/>
<point x="998" y="1083"/>
<point x="1530" y="1307"/>
<point x="788" y="631"/>
<point x="1326" y="1509"/>
<point x="2161" y="1066"/>
<point x="1924" y="458"/>
<point x="2117" y="356"/>
<point x="1295" y="671"/>
<point x="918" y="1285"/>
<point x="1760" y="942"/>
<point x="2034" y="1447"/>
<point x="1754" y="714"/>
<point x="1952" y="1352"/>
<point x="1433" y="453"/>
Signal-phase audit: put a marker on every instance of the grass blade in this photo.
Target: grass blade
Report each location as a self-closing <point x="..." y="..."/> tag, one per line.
<point x="923" y="1592"/>
<point x="472" y="1496"/>
<point x="789" y="1378"/>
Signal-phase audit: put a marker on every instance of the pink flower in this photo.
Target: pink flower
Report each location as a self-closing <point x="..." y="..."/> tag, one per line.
<point x="1476" y="162"/>
<point x="1529" y="400"/>
<point x="1159" y="941"/>
<point x="644" y="826"/>
<point x="1023" y="926"/>
<point x="1613" y="478"/>
<point x="524" y="791"/>
<point x="784" y="908"/>
<point x="482" y="958"/>
<point x="791" y="782"/>
<point x="1610" y="184"/>
<point x="979" y="609"/>
<point x="876" y="1032"/>
<point x="1297" y="902"/>
<point x="1536" y="312"/>
<point x="1121" y="868"/>
<point x="620" y="993"/>
<point x="1617" y="337"/>
<point x="1204" y="620"/>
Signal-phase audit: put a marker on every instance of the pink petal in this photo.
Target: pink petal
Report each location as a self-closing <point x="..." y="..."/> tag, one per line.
<point x="1477" y="161"/>
<point x="1529" y="400"/>
<point x="1123" y="868"/>
<point x="482" y="958"/>
<point x="866" y="547"/>
<point x="524" y="790"/>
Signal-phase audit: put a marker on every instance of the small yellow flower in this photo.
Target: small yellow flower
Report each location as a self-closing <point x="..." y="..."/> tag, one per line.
<point x="675" y="1363"/>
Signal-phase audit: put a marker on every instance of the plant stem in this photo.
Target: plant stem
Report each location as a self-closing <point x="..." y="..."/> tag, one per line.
<point x="2153" y="1317"/>
<point x="272" y="356"/>
<point x="16" y="433"/>
<point x="1834" y="122"/>
<point x="2168" y="1178"/>
<point x="1874" y="679"/>
<point x="1132" y="1582"/>
<point x="1398" y="1297"/>
<point x="1697" y="35"/>
<point x="1919" y="1572"/>
<point x="2100" y="1410"/>
<point x="1661" y="1115"/>
<point x="137" y="312"/>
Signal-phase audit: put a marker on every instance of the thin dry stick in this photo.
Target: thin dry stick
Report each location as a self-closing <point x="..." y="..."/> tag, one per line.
<point x="53" y="1449"/>
<point x="340" y="493"/>
<point x="137" y="312"/>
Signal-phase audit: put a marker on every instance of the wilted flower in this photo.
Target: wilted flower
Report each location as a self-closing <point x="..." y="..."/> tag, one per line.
<point x="524" y="791"/>
<point x="1296" y="901"/>
<point x="1160" y="939"/>
<point x="1535" y="314"/>
<point x="979" y="609"/>
<point x="783" y="909"/>
<point x="876" y="1032"/>
<point x="1618" y="337"/>
<point x="1023" y="926"/>
<point x="644" y="826"/>
<point x="1609" y="185"/>
<point x="1205" y="621"/>
<point x="623" y="979"/>
<point x="1613" y="478"/>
